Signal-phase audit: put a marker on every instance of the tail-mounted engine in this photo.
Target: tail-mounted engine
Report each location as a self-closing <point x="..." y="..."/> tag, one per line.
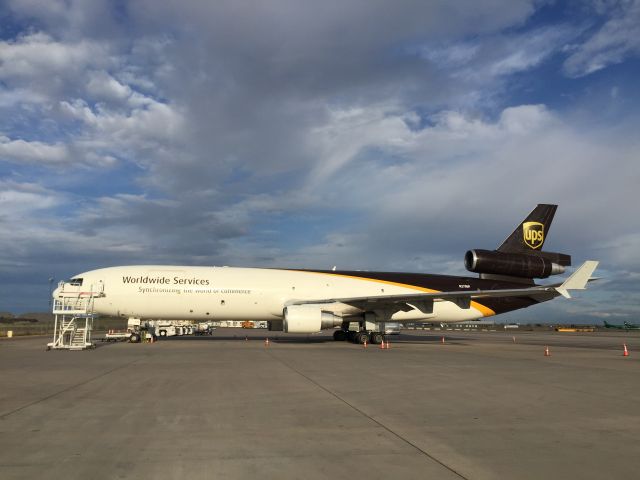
<point x="521" y="265"/>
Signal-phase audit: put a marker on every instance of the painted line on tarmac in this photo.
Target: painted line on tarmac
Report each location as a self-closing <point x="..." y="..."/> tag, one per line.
<point x="35" y="402"/>
<point x="364" y="414"/>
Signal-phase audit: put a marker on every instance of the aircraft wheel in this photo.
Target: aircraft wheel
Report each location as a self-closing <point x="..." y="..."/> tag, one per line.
<point x="376" y="338"/>
<point x="351" y="336"/>
<point x="361" y="337"/>
<point x="339" y="335"/>
<point x="163" y="333"/>
<point x="134" y="338"/>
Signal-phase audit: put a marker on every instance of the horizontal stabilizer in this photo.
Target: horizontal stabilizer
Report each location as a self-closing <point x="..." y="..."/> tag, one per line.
<point x="578" y="279"/>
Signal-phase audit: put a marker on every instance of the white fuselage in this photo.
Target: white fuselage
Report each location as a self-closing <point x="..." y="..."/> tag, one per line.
<point x="226" y="293"/>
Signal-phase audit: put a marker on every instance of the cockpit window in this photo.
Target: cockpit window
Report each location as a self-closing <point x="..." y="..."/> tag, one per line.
<point x="76" y="282"/>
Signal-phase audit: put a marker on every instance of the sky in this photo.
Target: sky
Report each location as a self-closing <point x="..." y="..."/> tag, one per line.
<point x="361" y="134"/>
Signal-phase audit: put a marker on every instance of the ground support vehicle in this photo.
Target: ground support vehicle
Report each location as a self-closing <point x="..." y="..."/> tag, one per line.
<point x="116" y="336"/>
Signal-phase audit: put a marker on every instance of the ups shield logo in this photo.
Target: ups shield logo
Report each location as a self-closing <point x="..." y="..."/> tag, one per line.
<point x="533" y="233"/>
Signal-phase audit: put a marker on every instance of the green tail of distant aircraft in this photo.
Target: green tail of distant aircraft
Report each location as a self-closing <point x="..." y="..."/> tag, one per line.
<point x="624" y="326"/>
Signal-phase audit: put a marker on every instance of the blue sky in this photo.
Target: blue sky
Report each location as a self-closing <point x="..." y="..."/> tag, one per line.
<point x="363" y="134"/>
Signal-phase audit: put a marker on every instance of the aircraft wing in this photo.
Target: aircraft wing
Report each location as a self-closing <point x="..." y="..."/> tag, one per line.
<point x="424" y="301"/>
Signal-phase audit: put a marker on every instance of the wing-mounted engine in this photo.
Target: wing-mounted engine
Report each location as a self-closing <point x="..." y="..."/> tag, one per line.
<point x="521" y="265"/>
<point x="308" y="319"/>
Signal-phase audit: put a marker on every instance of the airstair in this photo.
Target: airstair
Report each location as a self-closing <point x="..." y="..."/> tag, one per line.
<point x="73" y="310"/>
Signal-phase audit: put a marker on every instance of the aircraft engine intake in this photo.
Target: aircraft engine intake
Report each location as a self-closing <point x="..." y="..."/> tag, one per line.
<point x="308" y="319"/>
<point x="515" y="264"/>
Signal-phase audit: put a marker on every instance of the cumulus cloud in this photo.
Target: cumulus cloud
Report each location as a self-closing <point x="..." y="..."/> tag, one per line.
<point x="51" y="155"/>
<point x="17" y="199"/>
<point x="48" y="67"/>
<point x="21" y="151"/>
<point x="101" y="85"/>
<point x="65" y="90"/>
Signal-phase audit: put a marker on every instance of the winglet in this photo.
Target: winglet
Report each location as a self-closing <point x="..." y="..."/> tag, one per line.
<point x="578" y="279"/>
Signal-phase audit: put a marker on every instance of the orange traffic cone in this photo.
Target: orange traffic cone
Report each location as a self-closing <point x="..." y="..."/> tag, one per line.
<point x="442" y="340"/>
<point x="625" y="353"/>
<point x="387" y="346"/>
<point x="266" y="342"/>
<point x="514" y="339"/>
<point x="546" y="352"/>
<point x="382" y="344"/>
<point x="365" y="344"/>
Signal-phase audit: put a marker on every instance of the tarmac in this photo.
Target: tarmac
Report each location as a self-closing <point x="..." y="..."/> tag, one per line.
<point x="478" y="406"/>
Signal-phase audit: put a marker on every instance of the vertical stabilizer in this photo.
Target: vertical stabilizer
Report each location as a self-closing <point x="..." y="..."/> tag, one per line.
<point x="532" y="232"/>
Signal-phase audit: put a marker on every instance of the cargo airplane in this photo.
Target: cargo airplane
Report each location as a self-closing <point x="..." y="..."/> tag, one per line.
<point x="355" y="303"/>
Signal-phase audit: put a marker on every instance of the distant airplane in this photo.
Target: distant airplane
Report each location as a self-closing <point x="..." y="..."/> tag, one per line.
<point x="624" y="326"/>
<point x="360" y="303"/>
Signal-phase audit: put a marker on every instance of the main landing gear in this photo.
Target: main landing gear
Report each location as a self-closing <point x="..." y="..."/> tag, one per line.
<point x="360" y="337"/>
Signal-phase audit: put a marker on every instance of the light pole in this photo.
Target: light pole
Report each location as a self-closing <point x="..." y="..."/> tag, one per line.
<point x="51" y="279"/>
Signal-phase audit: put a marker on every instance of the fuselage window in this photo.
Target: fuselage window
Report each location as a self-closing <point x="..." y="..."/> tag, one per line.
<point x="76" y="282"/>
